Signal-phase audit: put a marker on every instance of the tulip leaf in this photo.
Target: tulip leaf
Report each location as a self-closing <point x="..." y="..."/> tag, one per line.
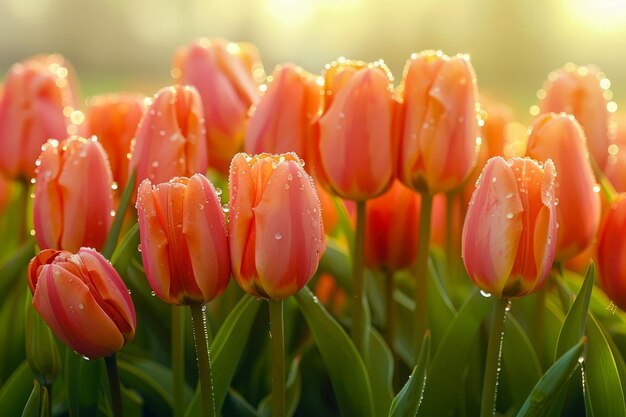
<point x="408" y="400"/>
<point x="345" y="223"/>
<point x="446" y="371"/>
<point x="12" y="340"/>
<point x="574" y="325"/>
<point x="13" y="268"/>
<point x="292" y="394"/>
<point x="15" y="391"/>
<point x="380" y="370"/>
<point x="546" y="390"/>
<point x="440" y="309"/>
<point x="404" y="339"/>
<point x="34" y="404"/>
<point x="603" y="388"/>
<point x="126" y="249"/>
<point x="133" y="403"/>
<point x="345" y="368"/>
<point x="116" y="227"/>
<point x="158" y="398"/>
<point x="337" y="263"/>
<point x="236" y="405"/>
<point x="82" y="382"/>
<point x="226" y="350"/>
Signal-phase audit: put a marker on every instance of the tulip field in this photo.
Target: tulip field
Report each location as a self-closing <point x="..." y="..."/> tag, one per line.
<point x="344" y="243"/>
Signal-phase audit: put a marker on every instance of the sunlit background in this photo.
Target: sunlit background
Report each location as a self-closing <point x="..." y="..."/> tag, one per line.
<point x="128" y="44"/>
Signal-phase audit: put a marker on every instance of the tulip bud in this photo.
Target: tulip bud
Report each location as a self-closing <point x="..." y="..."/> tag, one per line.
<point x="612" y="252"/>
<point x="42" y="352"/>
<point x="36" y="104"/>
<point x="438" y="122"/>
<point x="170" y="138"/>
<point x="509" y="235"/>
<point x="581" y="92"/>
<point x="282" y="121"/>
<point x="354" y="151"/>
<point x="113" y="118"/>
<point x="392" y="229"/>
<point x="559" y="138"/>
<point x="222" y="72"/>
<point x="73" y="199"/>
<point x="275" y="231"/>
<point x="184" y="246"/>
<point x="83" y="300"/>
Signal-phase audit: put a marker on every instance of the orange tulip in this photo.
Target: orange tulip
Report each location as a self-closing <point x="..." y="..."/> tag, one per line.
<point x="392" y="229"/>
<point x="222" y="72"/>
<point x="36" y="105"/>
<point x="282" y="121"/>
<point x="354" y="151"/>
<point x="509" y="235"/>
<point x="113" y="118"/>
<point x="73" y="198"/>
<point x="275" y="231"/>
<point x="615" y="168"/>
<point x="83" y="300"/>
<point x="170" y="138"/>
<point x="438" y="122"/>
<point x="612" y="252"/>
<point x="580" y="91"/>
<point x="330" y="215"/>
<point x="559" y="137"/>
<point x="183" y="240"/>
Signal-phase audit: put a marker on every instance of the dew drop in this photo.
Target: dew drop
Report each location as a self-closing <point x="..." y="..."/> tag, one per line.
<point x="32" y="232"/>
<point x="152" y="293"/>
<point x="485" y="294"/>
<point x="225" y="208"/>
<point x="218" y="192"/>
<point x="112" y="213"/>
<point x="596" y="188"/>
<point x="508" y="195"/>
<point x="139" y="247"/>
<point x="155" y="164"/>
<point x="509" y="216"/>
<point x="86" y="358"/>
<point x="493" y="179"/>
<point x="278" y="236"/>
<point x="81" y="306"/>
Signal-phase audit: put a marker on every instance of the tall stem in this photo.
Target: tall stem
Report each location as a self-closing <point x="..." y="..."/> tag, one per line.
<point x="390" y="329"/>
<point x="22" y="212"/>
<point x="178" y="360"/>
<point x="358" y="276"/>
<point x="421" y="273"/>
<point x="450" y="246"/>
<point x="492" y="364"/>
<point x="277" y="335"/>
<point x="114" y="384"/>
<point x="204" y="361"/>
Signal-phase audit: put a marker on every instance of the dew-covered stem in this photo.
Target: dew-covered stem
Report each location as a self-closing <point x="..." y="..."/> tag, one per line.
<point x="359" y="304"/>
<point x="277" y="336"/>
<point x="178" y="360"/>
<point x="421" y="273"/>
<point x="494" y="353"/>
<point x="204" y="361"/>
<point x="114" y="385"/>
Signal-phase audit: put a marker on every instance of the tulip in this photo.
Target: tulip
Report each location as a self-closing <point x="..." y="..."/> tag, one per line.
<point x="275" y="230"/>
<point x="73" y="199"/>
<point x="83" y="300"/>
<point x="581" y="92"/>
<point x="183" y="240"/>
<point x="36" y="105"/>
<point x="330" y="213"/>
<point x="559" y="138"/>
<point x="438" y="122"/>
<point x="612" y="252"/>
<point x="222" y="72"/>
<point x="113" y="118"/>
<point x="615" y="168"/>
<point x="354" y="151"/>
<point x="509" y="235"/>
<point x="169" y="140"/>
<point x="392" y="220"/>
<point x="282" y="121"/>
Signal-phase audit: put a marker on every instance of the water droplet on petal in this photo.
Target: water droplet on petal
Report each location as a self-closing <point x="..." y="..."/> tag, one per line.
<point x="485" y="294"/>
<point x="278" y="236"/>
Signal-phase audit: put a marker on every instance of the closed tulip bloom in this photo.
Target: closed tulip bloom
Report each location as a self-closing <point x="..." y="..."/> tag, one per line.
<point x="113" y="118"/>
<point x="83" y="300"/>
<point x="36" y="105"/>
<point x="275" y="229"/>
<point x="392" y="229"/>
<point x="170" y="138"/>
<point x="183" y="240"/>
<point x="611" y="254"/>
<point x="558" y="137"/>
<point x="509" y="235"/>
<point x="222" y="72"/>
<point x="438" y="122"/>
<point x="73" y="198"/>
<point x="282" y="121"/>
<point x="580" y="91"/>
<point x="354" y="150"/>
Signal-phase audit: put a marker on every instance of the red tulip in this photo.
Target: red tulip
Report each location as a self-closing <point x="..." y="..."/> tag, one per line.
<point x="222" y="72"/>
<point x="83" y="300"/>
<point x="612" y="252"/>
<point x="275" y="231"/>
<point x="73" y="198"/>
<point x="183" y="240"/>
<point x="509" y="235"/>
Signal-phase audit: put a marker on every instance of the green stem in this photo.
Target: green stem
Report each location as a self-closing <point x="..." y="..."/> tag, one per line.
<point x="492" y="363"/>
<point x="450" y="247"/>
<point x="116" y="227"/>
<point x="565" y="295"/>
<point x="421" y="273"/>
<point x="390" y="329"/>
<point x="204" y="362"/>
<point x="277" y="335"/>
<point x="114" y="384"/>
<point x="22" y="212"/>
<point x="178" y="360"/>
<point x="538" y="330"/>
<point x="359" y="307"/>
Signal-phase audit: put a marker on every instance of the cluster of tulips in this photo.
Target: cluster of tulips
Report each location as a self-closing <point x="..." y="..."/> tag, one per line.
<point x="377" y="194"/>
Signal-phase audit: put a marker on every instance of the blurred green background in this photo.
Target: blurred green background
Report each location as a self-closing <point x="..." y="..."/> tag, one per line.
<point x="128" y="44"/>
